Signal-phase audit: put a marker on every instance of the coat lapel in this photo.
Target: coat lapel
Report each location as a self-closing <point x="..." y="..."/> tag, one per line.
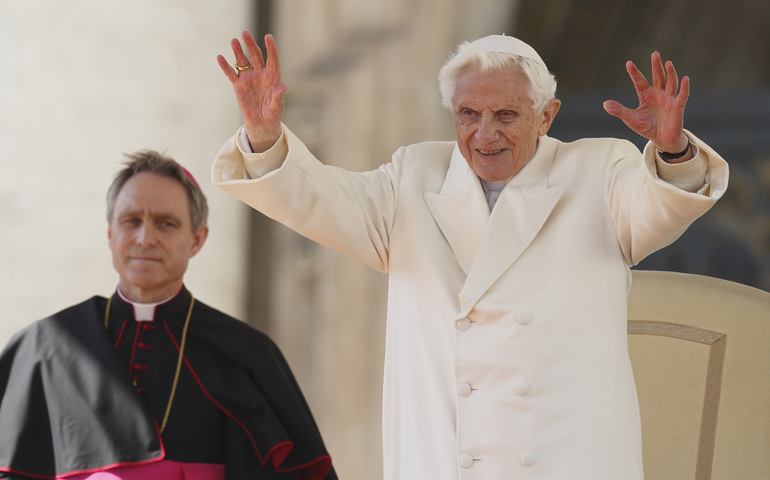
<point x="460" y="210"/>
<point x="521" y="211"/>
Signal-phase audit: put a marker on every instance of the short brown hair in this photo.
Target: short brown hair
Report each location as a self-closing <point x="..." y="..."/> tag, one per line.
<point x="150" y="161"/>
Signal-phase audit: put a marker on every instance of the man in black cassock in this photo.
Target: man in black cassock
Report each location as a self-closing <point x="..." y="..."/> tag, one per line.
<point x="152" y="383"/>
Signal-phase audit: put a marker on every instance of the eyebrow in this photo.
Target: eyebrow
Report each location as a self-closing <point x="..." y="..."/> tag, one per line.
<point x="167" y="216"/>
<point x="158" y="216"/>
<point x="461" y="107"/>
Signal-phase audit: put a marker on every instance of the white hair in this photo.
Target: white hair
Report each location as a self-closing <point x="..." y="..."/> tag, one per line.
<point x="542" y="83"/>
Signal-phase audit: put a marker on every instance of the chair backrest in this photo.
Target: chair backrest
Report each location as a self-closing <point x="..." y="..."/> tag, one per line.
<point x="700" y="350"/>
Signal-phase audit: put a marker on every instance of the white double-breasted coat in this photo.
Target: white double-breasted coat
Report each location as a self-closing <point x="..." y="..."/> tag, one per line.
<point x="506" y="354"/>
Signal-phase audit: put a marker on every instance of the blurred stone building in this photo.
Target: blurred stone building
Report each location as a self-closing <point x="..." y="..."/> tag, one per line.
<point x="84" y="82"/>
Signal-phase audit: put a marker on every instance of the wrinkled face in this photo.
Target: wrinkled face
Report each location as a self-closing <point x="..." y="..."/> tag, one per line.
<point x="496" y="127"/>
<point x="151" y="237"/>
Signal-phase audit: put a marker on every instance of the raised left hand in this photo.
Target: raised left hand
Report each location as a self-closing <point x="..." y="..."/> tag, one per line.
<point x="660" y="114"/>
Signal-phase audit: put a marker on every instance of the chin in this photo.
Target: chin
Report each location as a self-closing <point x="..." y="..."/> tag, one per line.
<point x="492" y="173"/>
<point x="144" y="281"/>
<point x="492" y="177"/>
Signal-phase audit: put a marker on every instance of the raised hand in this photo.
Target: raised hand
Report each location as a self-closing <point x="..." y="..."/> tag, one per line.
<point x="660" y="115"/>
<point x="258" y="90"/>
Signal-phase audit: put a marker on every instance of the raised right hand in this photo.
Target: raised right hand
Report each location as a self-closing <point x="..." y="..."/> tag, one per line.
<point x="258" y="90"/>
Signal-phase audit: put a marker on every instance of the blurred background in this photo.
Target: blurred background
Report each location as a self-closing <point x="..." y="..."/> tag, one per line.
<point x="83" y="82"/>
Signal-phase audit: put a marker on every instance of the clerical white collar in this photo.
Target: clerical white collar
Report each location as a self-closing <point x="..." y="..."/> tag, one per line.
<point x="144" y="312"/>
<point x="494" y="185"/>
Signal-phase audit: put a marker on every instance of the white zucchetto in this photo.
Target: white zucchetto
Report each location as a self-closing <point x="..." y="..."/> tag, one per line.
<point x="506" y="44"/>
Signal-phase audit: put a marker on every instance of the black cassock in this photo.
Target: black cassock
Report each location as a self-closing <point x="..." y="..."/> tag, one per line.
<point x="75" y="397"/>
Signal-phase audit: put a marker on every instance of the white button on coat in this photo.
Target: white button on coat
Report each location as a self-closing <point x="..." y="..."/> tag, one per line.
<point x="464" y="324"/>
<point x="464" y="390"/>
<point x="524" y="318"/>
<point x="528" y="459"/>
<point x="522" y="388"/>
<point x="466" y="461"/>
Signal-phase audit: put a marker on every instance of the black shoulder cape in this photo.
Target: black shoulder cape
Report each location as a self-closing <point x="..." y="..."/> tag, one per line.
<point x="67" y="404"/>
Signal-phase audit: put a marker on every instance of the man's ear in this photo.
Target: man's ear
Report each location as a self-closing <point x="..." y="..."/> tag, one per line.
<point x="548" y="115"/>
<point x="199" y="238"/>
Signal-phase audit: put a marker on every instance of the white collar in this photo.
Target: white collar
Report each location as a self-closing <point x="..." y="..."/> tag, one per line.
<point x="144" y="312"/>
<point x="494" y="186"/>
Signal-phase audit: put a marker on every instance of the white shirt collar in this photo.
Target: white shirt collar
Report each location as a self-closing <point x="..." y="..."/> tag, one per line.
<point x="144" y="312"/>
<point x="494" y="186"/>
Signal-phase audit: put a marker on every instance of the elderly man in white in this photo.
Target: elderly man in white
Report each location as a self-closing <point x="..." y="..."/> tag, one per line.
<point x="508" y="253"/>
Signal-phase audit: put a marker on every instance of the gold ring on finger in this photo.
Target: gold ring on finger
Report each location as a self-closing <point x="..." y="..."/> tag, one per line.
<point x="241" y="68"/>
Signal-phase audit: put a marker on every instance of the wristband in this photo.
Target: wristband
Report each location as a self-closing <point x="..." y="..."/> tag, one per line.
<point x="674" y="156"/>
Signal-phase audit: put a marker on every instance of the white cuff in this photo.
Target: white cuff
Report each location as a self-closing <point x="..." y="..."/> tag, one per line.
<point x="688" y="176"/>
<point x="257" y="165"/>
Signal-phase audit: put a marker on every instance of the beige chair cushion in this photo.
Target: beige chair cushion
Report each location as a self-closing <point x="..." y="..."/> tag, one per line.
<point x="700" y="349"/>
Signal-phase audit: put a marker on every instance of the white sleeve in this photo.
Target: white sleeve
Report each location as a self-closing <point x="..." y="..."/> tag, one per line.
<point x="236" y="162"/>
<point x="649" y="212"/>
<point x="347" y="211"/>
<point x="689" y="176"/>
<point x="258" y="164"/>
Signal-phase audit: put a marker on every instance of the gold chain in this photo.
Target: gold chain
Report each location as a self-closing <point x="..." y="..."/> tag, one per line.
<point x="178" y="365"/>
<point x="107" y="312"/>
<point x="178" y="362"/>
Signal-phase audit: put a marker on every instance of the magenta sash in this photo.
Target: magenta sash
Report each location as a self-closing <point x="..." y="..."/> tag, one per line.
<point x="162" y="470"/>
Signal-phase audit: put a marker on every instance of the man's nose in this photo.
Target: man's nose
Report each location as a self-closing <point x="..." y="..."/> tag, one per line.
<point x="146" y="236"/>
<point x="487" y="131"/>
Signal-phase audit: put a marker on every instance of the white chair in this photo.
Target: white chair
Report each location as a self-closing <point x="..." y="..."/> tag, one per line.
<point x="700" y="350"/>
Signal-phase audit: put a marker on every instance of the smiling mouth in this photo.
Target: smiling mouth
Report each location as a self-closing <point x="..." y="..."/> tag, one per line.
<point x="489" y="152"/>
